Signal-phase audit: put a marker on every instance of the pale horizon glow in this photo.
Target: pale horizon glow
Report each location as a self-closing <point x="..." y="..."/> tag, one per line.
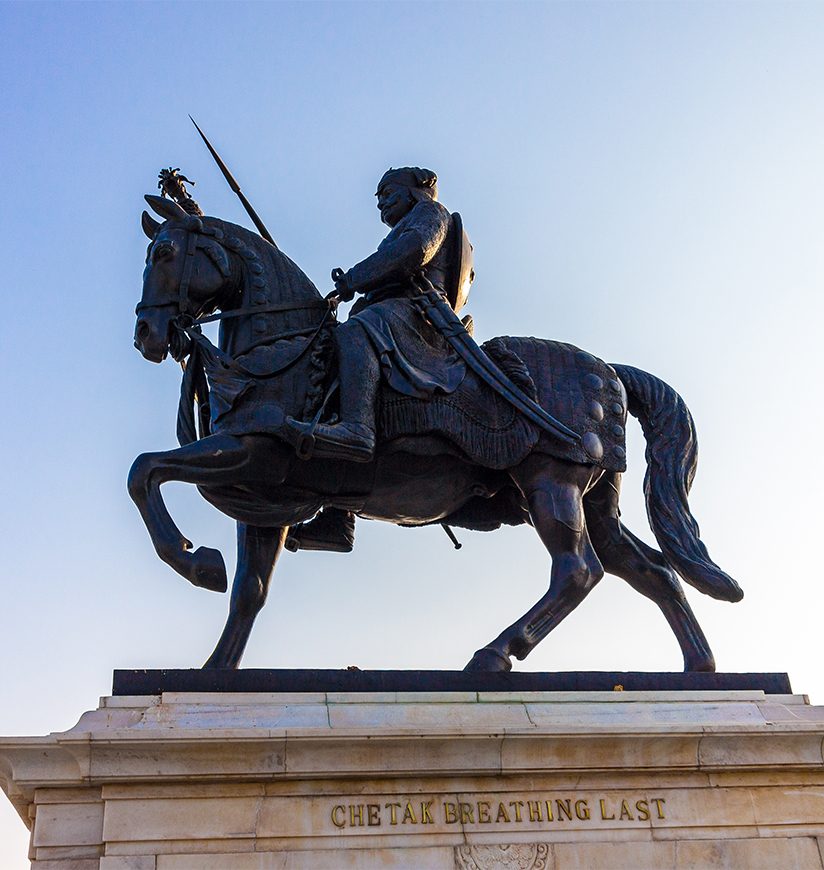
<point x="642" y="180"/>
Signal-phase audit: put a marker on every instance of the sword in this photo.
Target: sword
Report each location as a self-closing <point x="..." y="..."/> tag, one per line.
<point x="235" y="187"/>
<point x="444" y="319"/>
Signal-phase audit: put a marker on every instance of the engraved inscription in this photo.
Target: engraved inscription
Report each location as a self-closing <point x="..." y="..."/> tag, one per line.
<point x="546" y="811"/>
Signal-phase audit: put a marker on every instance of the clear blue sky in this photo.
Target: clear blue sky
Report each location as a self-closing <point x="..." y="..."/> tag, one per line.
<point x="643" y="180"/>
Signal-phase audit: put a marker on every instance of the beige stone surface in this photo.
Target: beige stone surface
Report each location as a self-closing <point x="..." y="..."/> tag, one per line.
<point x="182" y="819"/>
<point x="322" y="859"/>
<point x="797" y="853"/>
<point x="68" y="824"/>
<point x="131" y="862"/>
<point x="67" y="864"/>
<point x="454" y="780"/>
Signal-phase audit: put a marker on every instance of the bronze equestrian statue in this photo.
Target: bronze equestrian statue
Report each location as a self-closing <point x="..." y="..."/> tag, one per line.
<point x="294" y="421"/>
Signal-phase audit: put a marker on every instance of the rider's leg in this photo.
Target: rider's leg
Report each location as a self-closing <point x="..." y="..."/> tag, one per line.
<point x="359" y="372"/>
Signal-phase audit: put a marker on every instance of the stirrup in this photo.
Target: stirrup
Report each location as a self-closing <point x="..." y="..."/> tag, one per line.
<point x="328" y="446"/>
<point x="301" y="435"/>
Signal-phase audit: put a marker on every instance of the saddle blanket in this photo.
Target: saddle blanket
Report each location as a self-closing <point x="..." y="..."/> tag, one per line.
<point x="575" y="387"/>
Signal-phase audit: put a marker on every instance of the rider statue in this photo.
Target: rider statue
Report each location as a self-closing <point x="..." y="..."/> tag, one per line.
<point x="386" y="334"/>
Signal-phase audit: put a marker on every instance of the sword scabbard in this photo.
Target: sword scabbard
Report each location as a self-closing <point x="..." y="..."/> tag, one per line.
<point x="447" y="323"/>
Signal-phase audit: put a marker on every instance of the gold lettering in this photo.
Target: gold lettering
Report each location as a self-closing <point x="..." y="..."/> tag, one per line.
<point x="393" y="813"/>
<point x="464" y="813"/>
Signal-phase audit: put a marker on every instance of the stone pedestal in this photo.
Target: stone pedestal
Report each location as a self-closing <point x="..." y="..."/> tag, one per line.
<point x="445" y="780"/>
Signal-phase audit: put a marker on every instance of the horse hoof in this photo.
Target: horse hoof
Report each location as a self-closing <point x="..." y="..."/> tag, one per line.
<point x="209" y="570"/>
<point x="214" y="664"/>
<point x="487" y="659"/>
<point x="706" y="666"/>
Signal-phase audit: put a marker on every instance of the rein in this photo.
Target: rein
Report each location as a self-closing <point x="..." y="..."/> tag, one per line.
<point x="263" y="309"/>
<point x="192" y="330"/>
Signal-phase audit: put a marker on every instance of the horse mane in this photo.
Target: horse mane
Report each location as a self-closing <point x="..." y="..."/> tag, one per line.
<point x="291" y="282"/>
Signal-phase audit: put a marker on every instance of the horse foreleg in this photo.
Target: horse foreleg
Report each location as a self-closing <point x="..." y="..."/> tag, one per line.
<point x="646" y="570"/>
<point x="215" y="460"/>
<point x="553" y="491"/>
<point x="257" y="552"/>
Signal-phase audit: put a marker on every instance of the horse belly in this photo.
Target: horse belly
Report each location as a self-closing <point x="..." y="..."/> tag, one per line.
<point x="423" y="489"/>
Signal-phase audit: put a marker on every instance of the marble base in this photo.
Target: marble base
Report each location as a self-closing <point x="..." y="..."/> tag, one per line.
<point x="470" y="780"/>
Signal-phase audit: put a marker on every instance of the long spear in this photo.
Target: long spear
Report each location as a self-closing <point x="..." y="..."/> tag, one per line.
<point x="235" y="187"/>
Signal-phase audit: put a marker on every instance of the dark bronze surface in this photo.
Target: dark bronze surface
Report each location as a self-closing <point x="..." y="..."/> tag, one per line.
<point x="254" y="680"/>
<point x="297" y="421"/>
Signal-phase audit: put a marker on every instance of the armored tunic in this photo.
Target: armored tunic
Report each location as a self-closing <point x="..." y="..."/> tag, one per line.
<point x="415" y="359"/>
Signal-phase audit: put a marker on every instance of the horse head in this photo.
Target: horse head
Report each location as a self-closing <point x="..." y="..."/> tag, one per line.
<point x="188" y="274"/>
<point x="196" y="265"/>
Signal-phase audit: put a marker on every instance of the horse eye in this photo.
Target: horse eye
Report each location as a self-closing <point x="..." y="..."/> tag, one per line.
<point x="163" y="252"/>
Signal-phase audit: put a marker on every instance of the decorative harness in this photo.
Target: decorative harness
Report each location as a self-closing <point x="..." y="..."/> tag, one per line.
<point x="194" y="384"/>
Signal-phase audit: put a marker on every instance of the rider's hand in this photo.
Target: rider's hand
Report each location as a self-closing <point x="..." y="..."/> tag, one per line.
<point x="344" y="292"/>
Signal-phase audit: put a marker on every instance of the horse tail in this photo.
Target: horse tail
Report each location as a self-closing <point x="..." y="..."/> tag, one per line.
<point x="672" y="458"/>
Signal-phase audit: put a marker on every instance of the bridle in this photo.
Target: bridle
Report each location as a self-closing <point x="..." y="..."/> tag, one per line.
<point x="204" y="356"/>
<point x="187" y="323"/>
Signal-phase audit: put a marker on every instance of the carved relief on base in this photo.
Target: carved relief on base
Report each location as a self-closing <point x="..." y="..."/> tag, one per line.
<point x="516" y="856"/>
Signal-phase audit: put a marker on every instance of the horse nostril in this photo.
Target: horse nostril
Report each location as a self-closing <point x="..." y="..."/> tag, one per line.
<point x="142" y="331"/>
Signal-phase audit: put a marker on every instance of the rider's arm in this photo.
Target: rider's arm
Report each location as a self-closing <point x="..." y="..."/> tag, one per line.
<point x="420" y="235"/>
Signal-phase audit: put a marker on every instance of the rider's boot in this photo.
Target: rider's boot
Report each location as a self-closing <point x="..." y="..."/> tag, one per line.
<point x="353" y="438"/>
<point x="332" y="530"/>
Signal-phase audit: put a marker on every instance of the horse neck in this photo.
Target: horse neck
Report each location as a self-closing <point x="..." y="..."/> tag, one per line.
<point x="266" y="276"/>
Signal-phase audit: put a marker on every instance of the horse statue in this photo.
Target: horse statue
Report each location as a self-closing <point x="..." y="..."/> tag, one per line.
<point x="467" y="460"/>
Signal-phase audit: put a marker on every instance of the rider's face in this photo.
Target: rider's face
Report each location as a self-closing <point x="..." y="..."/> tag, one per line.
<point x="394" y="202"/>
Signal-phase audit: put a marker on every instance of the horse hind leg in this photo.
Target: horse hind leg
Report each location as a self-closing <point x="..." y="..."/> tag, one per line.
<point x="554" y="492"/>
<point x="646" y="570"/>
<point x="258" y="549"/>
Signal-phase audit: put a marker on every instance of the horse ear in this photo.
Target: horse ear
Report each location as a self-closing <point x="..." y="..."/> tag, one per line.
<point x="149" y="224"/>
<point x="166" y="208"/>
